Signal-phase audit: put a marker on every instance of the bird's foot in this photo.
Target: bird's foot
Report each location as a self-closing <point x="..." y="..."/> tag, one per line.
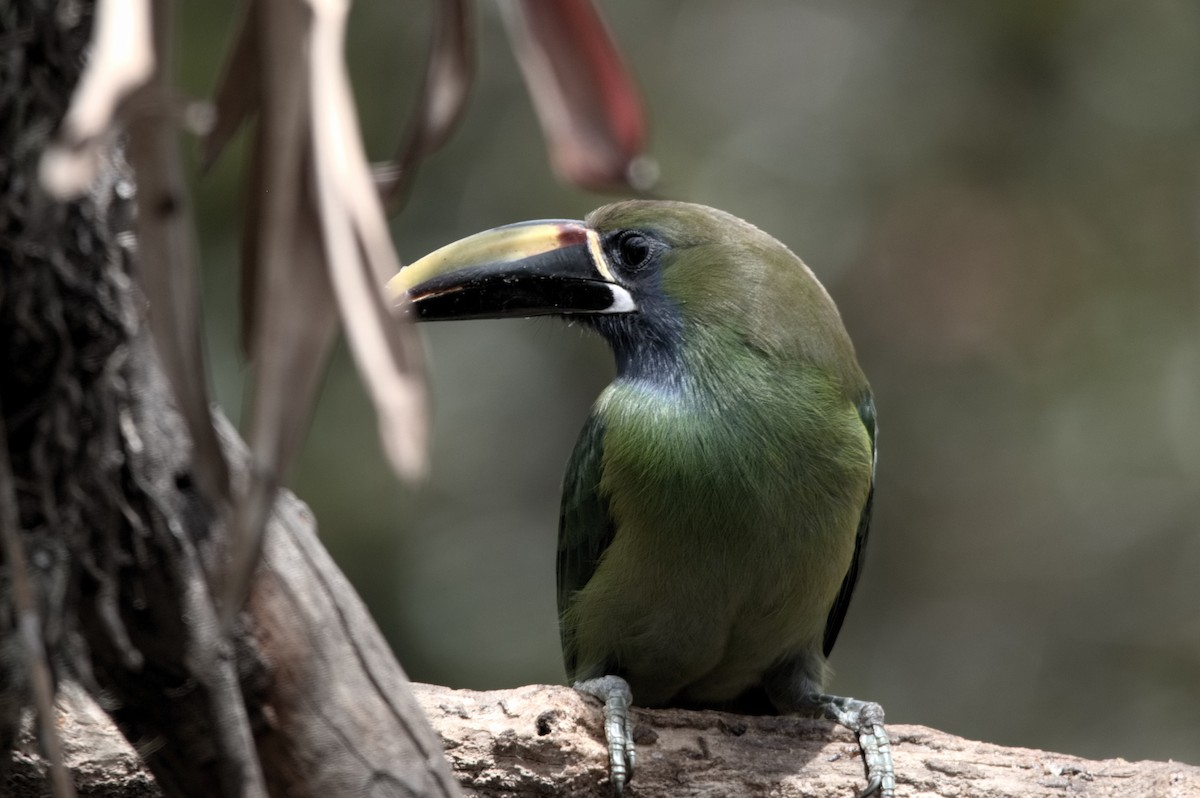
<point x="865" y="719"/>
<point x="618" y="728"/>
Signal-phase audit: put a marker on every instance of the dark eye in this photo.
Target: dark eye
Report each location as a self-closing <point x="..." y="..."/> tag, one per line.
<point x="633" y="249"/>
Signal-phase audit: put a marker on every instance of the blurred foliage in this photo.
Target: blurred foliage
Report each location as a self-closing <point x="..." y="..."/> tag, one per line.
<point x="1004" y="199"/>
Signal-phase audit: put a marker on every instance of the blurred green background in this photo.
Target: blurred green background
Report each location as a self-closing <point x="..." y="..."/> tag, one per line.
<point x="1004" y="199"/>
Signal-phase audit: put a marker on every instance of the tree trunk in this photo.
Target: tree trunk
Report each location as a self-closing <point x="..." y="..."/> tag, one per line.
<point x="100" y="510"/>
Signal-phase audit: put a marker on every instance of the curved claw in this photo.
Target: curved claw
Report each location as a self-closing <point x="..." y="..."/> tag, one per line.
<point x="618" y="728"/>
<point x="877" y="757"/>
<point x="874" y="785"/>
<point x="865" y="719"/>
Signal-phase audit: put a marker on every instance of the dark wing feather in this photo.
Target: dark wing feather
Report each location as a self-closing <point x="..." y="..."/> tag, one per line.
<point x="585" y="527"/>
<point x="837" y="614"/>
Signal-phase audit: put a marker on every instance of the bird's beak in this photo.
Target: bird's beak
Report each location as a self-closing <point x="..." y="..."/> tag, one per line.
<point x="525" y="269"/>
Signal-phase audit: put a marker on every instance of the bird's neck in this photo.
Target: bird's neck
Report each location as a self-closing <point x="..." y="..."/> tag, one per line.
<point x="643" y="362"/>
<point x="712" y="368"/>
<point x="648" y="349"/>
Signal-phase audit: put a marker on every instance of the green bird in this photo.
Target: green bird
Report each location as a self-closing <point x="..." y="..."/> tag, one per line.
<point x="716" y="507"/>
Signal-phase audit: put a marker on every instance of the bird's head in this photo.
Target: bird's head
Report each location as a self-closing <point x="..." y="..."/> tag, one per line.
<point x="648" y="275"/>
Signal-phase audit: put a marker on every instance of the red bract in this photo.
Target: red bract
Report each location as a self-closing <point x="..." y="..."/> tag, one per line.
<point x="585" y="98"/>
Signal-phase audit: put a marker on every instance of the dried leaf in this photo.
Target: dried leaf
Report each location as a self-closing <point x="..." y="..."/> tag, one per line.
<point x="167" y="254"/>
<point x="279" y="159"/>
<point x="585" y="98"/>
<point x="449" y="73"/>
<point x="238" y="92"/>
<point x="289" y="318"/>
<point x="359" y="250"/>
<point x="121" y="61"/>
<point x="237" y="97"/>
<point x="316" y="243"/>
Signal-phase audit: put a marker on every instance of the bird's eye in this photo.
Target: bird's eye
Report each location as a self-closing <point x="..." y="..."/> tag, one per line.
<point x="634" y="249"/>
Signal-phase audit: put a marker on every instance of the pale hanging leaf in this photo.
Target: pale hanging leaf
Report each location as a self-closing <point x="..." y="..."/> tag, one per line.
<point x="289" y="315"/>
<point x="121" y="61"/>
<point x="359" y="250"/>
<point x="316" y="244"/>
<point x="297" y="325"/>
<point x="586" y="101"/>
<point x="449" y="72"/>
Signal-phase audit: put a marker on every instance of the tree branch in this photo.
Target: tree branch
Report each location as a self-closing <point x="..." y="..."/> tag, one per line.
<point x="332" y="711"/>
<point x="542" y="740"/>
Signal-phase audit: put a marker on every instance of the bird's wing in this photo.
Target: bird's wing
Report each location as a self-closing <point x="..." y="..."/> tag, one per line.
<point x="837" y="614"/>
<point x="585" y="527"/>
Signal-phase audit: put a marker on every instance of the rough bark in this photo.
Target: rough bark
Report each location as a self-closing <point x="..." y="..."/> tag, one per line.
<point x="542" y="740"/>
<point x="99" y="494"/>
<point x="333" y="712"/>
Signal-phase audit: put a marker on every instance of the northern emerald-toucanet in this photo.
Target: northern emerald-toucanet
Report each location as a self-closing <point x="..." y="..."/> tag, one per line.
<point x="716" y="507"/>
